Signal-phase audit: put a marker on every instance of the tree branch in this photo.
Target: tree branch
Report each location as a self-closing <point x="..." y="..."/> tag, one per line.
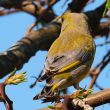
<point x="95" y="17"/>
<point x="77" y="5"/>
<point x="21" y="52"/>
<point x="98" y="69"/>
<point x="28" y="6"/>
<point x="41" y="39"/>
<point x="94" y="100"/>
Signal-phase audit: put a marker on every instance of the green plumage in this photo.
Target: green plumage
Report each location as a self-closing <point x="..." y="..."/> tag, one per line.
<point x="70" y="56"/>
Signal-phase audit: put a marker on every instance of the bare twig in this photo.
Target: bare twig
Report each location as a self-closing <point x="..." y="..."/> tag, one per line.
<point x="7" y="102"/>
<point x="20" y="53"/>
<point x="77" y="5"/>
<point x="41" y="39"/>
<point x="102" y="44"/>
<point x="97" y="70"/>
<point x="93" y="100"/>
<point x="41" y="15"/>
<point x="12" y="79"/>
<point x="6" y="12"/>
<point x="98" y="86"/>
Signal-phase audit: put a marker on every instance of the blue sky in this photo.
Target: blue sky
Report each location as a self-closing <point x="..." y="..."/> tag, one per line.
<point x="12" y="28"/>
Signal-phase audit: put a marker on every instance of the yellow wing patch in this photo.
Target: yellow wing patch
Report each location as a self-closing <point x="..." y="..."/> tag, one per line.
<point x="55" y="87"/>
<point x="62" y="76"/>
<point x="69" y="66"/>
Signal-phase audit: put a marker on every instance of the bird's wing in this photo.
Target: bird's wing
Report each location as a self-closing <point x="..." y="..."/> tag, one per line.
<point x="63" y="55"/>
<point x="63" y="62"/>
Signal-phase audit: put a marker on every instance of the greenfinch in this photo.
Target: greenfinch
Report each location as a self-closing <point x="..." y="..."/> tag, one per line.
<point x="70" y="56"/>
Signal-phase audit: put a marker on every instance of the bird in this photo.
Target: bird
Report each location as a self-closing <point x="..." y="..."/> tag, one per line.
<point x="70" y="57"/>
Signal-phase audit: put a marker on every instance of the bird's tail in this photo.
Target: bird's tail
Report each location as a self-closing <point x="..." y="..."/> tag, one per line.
<point x="46" y="92"/>
<point x="44" y="77"/>
<point x="46" y="74"/>
<point x="33" y="84"/>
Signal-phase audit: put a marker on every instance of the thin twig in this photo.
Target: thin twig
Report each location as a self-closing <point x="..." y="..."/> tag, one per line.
<point x="6" y="12"/>
<point x="102" y="44"/>
<point x="99" y="68"/>
<point x="42" y="14"/>
<point x="7" y="102"/>
<point x="98" y="86"/>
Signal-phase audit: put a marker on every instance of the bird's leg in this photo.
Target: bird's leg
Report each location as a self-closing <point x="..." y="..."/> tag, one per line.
<point x="76" y="86"/>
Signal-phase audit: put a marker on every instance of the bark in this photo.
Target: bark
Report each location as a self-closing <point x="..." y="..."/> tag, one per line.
<point x="77" y="5"/>
<point x="41" y="39"/>
<point x="21" y="52"/>
<point x="94" y="100"/>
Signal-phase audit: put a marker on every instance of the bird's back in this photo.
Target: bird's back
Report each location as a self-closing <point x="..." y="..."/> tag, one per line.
<point x="70" y="56"/>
